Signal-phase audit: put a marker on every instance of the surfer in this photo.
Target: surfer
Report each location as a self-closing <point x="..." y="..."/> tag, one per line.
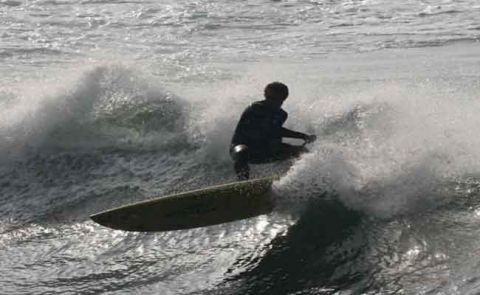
<point x="259" y="132"/>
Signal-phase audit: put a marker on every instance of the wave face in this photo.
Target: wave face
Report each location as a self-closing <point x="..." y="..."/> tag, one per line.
<point x="105" y="103"/>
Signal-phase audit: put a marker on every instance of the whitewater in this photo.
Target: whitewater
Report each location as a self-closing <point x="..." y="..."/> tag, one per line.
<point x="103" y="103"/>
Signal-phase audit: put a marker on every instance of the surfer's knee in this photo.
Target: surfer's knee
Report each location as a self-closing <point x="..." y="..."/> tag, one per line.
<point x="239" y="153"/>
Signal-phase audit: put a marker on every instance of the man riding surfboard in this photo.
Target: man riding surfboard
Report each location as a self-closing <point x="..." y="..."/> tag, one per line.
<point x="259" y="132"/>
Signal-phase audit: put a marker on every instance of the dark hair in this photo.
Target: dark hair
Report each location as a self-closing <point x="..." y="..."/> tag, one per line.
<point x="275" y="89"/>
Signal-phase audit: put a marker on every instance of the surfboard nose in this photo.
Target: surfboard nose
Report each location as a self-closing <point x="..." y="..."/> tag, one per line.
<point x="101" y="219"/>
<point x="116" y="220"/>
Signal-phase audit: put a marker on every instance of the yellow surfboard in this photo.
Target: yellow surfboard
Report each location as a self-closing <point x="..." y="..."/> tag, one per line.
<point x="203" y="207"/>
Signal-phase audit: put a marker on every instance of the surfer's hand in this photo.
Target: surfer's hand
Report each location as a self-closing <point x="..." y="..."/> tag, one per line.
<point x="310" y="138"/>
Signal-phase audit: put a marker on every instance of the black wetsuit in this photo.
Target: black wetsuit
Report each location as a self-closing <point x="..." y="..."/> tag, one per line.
<point x="259" y="132"/>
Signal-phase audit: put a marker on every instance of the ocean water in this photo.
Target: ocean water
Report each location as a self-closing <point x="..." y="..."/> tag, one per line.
<point x="103" y="103"/>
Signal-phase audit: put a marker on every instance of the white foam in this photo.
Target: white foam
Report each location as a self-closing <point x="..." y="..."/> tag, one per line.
<point x="405" y="144"/>
<point x="73" y="109"/>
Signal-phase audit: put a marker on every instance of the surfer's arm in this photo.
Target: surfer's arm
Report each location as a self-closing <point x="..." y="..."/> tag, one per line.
<point x="295" y="134"/>
<point x="284" y="132"/>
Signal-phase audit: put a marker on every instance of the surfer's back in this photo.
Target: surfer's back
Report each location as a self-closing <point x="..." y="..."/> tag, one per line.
<point x="259" y="125"/>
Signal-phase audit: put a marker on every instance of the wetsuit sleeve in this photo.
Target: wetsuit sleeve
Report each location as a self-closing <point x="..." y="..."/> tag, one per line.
<point x="284" y="132"/>
<point x="292" y="134"/>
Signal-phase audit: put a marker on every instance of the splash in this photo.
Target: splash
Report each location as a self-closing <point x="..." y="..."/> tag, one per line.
<point x="392" y="153"/>
<point x="96" y="106"/>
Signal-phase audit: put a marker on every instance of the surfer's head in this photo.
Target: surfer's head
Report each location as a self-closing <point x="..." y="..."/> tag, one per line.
<point x="276" y="92"/>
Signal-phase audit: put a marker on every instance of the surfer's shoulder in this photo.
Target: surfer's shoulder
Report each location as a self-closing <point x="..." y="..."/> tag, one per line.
<point x="255" y="107"/>
<point x="258" y="104"/>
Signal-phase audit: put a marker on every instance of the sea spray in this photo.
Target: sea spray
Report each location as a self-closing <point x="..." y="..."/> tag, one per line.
<point x="395" y="153"/>
<point x="96" y="106"/>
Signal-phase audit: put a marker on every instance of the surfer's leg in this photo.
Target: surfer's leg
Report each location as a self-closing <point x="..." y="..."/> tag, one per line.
<point x="242" y="170"/>
<point x="239" y="154"/>
<point x="280" y="152"/>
